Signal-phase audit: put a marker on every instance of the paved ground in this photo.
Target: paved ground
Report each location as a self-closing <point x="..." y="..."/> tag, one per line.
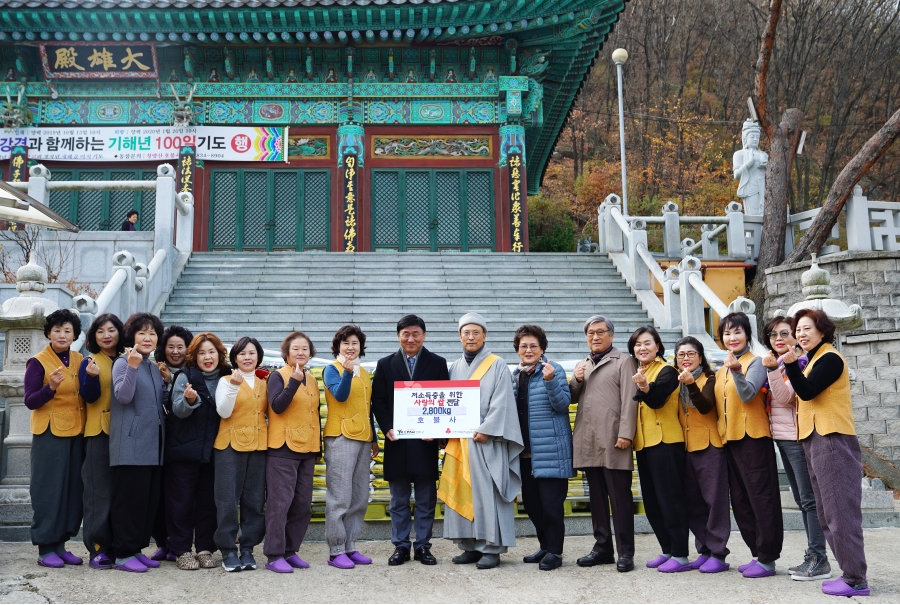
<point x="21" y="580"/>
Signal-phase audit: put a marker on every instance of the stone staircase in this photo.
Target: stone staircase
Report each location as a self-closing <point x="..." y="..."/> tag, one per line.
<point x="267" y="295"/>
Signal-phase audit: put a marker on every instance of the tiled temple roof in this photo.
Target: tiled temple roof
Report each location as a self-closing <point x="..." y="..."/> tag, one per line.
<point x="200" y="4"/>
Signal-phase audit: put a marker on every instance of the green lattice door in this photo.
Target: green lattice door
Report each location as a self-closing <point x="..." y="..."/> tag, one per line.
<point x="430" y="210"/>
<point x="269" y="210"/>
<point x="104" y="210"/>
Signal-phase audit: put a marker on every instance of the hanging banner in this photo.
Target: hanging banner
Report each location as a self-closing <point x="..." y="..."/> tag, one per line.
<point x="437" y="409"/>
<point x="515" y="201"/>
<point x="116" y="144"/>
<point x="18" y="168"/>
<point x="348" y="193"/>
<point x="89" y="60"/>
<point x="186" y="167"/>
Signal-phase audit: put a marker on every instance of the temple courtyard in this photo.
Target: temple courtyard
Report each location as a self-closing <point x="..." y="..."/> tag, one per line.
<point x="22" y="581"/>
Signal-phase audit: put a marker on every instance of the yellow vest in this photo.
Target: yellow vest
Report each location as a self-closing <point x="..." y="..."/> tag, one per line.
<point x="64" y="414"/>
<point x="831" y="411"/>
<point x="350" y="418"/>
<point x="245" y="429"/>
<point x="700" y="430"/>
<point x="98" y="411"/>
<point x="657" y="426"/>
<point x="736" y="418"/>
<point x="299" y="424"/>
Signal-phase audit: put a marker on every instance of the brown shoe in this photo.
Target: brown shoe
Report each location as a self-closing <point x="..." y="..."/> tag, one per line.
<point x="206" y="560"/>
<point x="187" y="561"/>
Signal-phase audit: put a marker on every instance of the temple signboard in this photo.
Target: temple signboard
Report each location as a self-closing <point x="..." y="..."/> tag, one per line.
<point x="88" y="60"/>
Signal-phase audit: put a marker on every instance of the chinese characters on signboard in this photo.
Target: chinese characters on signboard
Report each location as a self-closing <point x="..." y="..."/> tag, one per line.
<point x="437" y="409"/>
<point x="515" y="201"/>
<point x="18" y="165"/>
<point x="87" y="60"/>
<point x="186" y="167"/>
<point x="348" y="197"/>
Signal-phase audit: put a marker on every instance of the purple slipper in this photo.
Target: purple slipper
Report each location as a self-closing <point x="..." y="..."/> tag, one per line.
<point x="359" y="558"/>
<point x="171" y="557"/>
<point x="746" y="566"/>
<point x="840" y="588"/>
<point x="673" y="566"/>
<point x="714" y="566"/>
<point x="160" y="554"/>
<point x="70" y="559"/>
<point x="295" y="561"/>
<point x="280" y="566"/>
<point x="699" y="561"/>
<point x="147" y="562"/>
<point x="52" y="560"/>
<point x="101" y="561"/>
<point x="341" y="561"/>
<point x="657" y="561"/>
<point x="758" y="571"/>
<point x="132" y="565"/>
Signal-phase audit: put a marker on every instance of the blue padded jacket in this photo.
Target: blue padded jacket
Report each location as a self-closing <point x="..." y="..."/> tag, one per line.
<point x="548" y="424"/>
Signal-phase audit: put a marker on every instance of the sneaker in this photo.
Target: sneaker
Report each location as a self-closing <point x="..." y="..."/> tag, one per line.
<point x="101" y="561"/>
<point x="840" y="588"/>
<point x="187" y="561"/>
<point x="358" y="558"/>
<point x="230" y="561"/>
<point x="296" y="562"/>
<point x="51" y="560"/>
<point x="699" y="561"/>
<point x="802" y="567"/>
<point x="147" y="562"/>
<point x="205" y="559"/>
<point x="818" y="569"/>
<point x="247" y="560"/>
<point x="280" y="566"/>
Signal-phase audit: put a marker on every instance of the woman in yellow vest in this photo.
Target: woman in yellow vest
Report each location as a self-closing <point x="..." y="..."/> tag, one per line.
<point x="749" y="449"/>
<point x="295" y="444"/>
<point x="705" y="467"/>
<point x="826" y="429"/>
<point x="659" y="449"/>
<point x="57" y="443"/>
<point x="240" y="455"/>
<point x="105" y="343"/>
<point x="350" y="444"/>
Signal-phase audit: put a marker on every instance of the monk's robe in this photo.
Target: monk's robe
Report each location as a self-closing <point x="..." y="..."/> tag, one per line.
<point x="484" y="521"/>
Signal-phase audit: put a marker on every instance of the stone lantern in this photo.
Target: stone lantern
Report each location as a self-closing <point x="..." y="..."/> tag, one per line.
<point x="817" y="289"/>
<point x="22" y="322"/>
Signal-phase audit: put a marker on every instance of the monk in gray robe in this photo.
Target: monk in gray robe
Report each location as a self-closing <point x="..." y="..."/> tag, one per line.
<point x="482" y="522"/>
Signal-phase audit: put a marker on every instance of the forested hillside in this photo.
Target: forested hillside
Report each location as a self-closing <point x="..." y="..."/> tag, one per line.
<point x="689" y="73"/>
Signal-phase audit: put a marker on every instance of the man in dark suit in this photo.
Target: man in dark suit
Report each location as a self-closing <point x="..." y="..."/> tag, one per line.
<point x="408" y="462"/>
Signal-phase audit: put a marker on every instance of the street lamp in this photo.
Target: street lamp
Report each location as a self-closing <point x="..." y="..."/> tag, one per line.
<point x="619" y="56"/>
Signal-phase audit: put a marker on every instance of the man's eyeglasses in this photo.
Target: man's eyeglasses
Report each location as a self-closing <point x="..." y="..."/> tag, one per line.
<point x="592" y="333"/>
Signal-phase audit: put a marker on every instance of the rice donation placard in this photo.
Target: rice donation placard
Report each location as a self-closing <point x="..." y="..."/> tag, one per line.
<point x="436" y="409"/>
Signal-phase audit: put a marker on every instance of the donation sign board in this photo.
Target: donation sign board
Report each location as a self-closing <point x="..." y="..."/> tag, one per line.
<point x="436" y="409"/>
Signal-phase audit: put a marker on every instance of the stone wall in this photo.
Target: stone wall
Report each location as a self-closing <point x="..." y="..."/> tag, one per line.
<point x="871" y="280"/>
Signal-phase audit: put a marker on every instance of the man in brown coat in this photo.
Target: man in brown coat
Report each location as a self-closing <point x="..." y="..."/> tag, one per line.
<point x="604" y="428"/>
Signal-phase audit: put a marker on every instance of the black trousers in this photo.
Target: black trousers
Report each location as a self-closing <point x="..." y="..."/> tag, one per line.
<point x="544" y="501"/>
<point x="661" y="472"/>
<point x="190" y="506"/>
<point x="97" y="477"/>
<point x="134" y="504"/>
<point x="56" y="490"/>
<point x="160" y="528"/>
<point x="755" y="496"/>
<point x="611" y="489"/>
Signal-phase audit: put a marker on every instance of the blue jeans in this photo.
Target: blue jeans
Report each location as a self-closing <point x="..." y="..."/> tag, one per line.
<point x="794" y="460"/>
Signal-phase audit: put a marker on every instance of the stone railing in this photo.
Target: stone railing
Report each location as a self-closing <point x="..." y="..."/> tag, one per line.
<point x="869" y="226"/>
<point x="134" y="286"/>
<point x="685" y="295"/>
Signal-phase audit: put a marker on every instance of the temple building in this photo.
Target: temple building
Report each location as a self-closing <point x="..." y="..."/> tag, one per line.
<point x="309" y="125"/>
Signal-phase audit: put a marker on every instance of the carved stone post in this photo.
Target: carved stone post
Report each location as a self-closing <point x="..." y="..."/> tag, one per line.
<point x="22" y="322"/>
<point x="671" y="231"/>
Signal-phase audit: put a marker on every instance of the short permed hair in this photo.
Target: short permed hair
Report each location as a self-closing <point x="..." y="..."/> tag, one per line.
<point x="91" y="337"/>
<point x="770" y="325"/>
<point x="177" y="331"/>
<point x="240" y="345"/>
<point x="190" y="360"/>
<point x="138" y="322"/>
<point x="290" y="338"/>
<point x="343" y="334"/>
<point x="820" y="320"/>
<point x="62" y="317"/>
<point x="736" y="320"/>
<point x="530" y="330"/>
<point x="632" y="341"/>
